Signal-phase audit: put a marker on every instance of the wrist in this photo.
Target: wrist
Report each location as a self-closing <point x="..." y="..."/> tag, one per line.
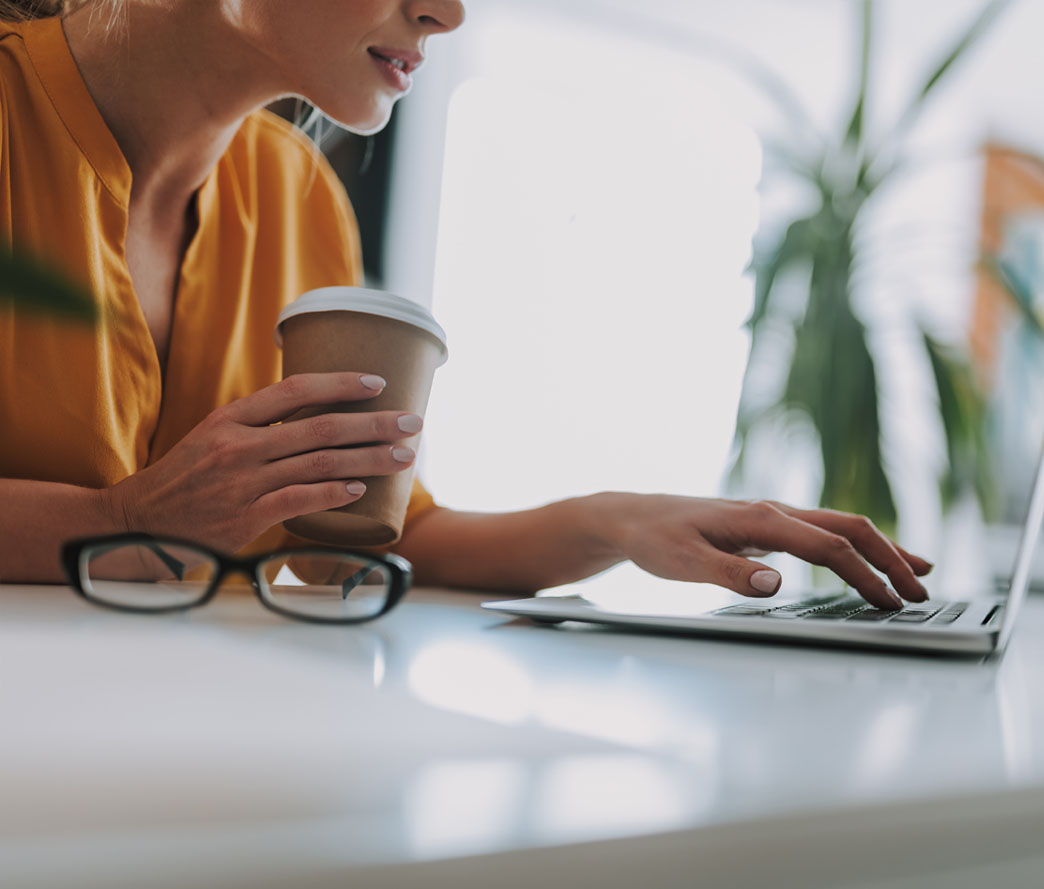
<point x="604" y="523"/>
<point x="108" y="503"/>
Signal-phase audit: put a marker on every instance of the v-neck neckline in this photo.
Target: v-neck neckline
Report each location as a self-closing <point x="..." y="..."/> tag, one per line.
<point x="49" y="52"/>
<point x="56" y="67"/>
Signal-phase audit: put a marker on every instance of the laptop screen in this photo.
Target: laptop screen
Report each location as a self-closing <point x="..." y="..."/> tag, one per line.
<point x="1024" y="556"/>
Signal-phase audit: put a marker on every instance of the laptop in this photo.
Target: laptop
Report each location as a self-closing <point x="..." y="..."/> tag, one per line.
<point x="978" y="627"/>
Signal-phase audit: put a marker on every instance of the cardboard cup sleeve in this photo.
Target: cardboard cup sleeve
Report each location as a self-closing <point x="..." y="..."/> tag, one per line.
<point x="406" y="356"/>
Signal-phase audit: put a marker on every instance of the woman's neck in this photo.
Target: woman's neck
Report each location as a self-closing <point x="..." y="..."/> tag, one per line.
<point x="173" y="84"/>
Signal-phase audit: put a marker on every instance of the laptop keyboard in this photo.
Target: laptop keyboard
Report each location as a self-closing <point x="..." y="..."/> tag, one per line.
<point x="850" y="608"/>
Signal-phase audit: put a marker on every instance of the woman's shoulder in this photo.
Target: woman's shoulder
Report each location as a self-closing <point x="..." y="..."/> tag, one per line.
<point x="268" y="130"/>
<point x="23" y="92"/>
<point x="14" y="36"/>
<point x="10" y="29"/>
<point x="279" y="170"/>
<point x="279" y="154"/>
<point x="13" y="62"/>
<point x="281" y="181"/>
<point x="12" y="49"/>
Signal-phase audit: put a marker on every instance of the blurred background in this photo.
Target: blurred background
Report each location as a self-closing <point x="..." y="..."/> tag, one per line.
<point x="766" y="248"/>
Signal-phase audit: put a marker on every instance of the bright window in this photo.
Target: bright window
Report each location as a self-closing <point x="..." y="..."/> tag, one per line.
<point x="597" y="214"/>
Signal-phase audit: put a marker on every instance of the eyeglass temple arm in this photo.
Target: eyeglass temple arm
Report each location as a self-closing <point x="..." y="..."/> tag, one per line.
<point x="352" y="582"/>
<point x="175" y="566"/>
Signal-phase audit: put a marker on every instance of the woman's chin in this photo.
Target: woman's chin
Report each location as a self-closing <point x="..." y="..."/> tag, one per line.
<point x="366" y="124"/>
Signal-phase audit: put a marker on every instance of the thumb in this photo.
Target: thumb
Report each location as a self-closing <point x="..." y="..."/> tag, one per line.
<point x="744" y="576"/>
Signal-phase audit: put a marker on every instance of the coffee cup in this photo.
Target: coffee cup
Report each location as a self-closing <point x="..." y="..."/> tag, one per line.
<point x="370" y="331"/>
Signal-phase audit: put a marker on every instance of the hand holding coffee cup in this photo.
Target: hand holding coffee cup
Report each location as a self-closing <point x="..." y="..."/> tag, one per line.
<point x="353" y="329"/>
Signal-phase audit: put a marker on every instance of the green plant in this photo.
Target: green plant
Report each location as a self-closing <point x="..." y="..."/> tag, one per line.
<point x="831" y="379"/>
<point x="32" y="286"/>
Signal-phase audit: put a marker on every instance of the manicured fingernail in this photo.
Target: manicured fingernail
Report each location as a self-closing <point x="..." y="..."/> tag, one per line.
<point x="403" y="455"/>
<point x="895" y="600"/>
<point x="372" y="381"/>
<point x="410" y="423"/>
<point x="355" y="488"/>
<point x="765" y="581"/>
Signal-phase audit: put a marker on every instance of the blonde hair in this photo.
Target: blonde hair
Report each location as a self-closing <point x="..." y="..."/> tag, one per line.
<point x="23" y="10"/>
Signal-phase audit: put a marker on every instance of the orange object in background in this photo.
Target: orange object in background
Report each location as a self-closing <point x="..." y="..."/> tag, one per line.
<point x="1013" y="184"/>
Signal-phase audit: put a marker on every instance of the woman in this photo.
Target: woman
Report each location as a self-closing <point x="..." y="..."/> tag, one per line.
<point x="133" y="154"/>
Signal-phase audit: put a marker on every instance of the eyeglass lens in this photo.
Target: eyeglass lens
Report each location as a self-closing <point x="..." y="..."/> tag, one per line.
<point x="153" y="575"/>
<point x="332" y="586"/>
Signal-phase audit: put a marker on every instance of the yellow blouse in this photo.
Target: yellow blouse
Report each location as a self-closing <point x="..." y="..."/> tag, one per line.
<point x="89" y="406"/>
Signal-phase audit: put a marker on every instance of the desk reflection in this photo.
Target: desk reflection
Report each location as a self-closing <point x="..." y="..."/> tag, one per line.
<point x="442" y="729"/>
<point x="764" y="726"/>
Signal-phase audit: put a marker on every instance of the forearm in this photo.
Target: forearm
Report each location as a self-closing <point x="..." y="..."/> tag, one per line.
<point x="518" y="552"/>
<point x="37" y="518"/>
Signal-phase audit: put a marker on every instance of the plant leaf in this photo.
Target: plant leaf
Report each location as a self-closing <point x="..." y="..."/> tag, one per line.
<point x="31" y="286"/>
<point x="982" y="22"/>
<point x="831" y="377"/>
<point x="833" y="380"/>
<point x="978" y="27"/>
<point x="880" y="154"/>
<point x="962" y="410"/>
<point x="795" y="245"/>
<point x="854" y="133"/>
<point x="788" y="158"/>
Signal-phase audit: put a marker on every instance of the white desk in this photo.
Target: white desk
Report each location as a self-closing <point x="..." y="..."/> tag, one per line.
<point x="445" y="746"/>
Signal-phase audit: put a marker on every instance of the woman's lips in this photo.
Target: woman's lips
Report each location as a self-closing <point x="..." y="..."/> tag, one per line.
<point x="395" y="67"/>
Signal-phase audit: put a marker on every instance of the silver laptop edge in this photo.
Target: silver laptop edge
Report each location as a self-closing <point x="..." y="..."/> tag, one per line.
<point x="969" y="635"/>
<point x="1023" y="558"/>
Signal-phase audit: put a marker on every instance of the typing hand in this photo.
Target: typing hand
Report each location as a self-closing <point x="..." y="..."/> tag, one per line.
<point x="236" y="474"/>
<point x="709" y="541"/>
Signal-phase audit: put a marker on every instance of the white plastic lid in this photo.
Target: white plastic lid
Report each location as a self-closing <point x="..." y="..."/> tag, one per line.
<point x="369" y="302"/>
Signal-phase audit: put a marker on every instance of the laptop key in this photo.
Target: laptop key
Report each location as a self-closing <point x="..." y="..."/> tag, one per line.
<point x="914" y="617"/>
<point x="792" y="611"/>
<point x="804" y="608"/>
<point x="743" y="610"/>
<point x="872" y="614"/>
<point x="832" y="617"/>
<point x="836" y="610"/>
<point x="835" y="613"/>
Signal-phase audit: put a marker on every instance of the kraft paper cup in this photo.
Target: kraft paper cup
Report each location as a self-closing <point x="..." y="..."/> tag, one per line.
<point x="367" y="331"/>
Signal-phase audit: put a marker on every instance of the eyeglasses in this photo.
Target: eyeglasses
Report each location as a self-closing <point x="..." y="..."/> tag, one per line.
<point x="146" y="574"/>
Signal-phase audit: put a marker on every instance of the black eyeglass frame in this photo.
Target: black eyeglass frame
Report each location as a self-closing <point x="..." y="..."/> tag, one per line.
<point x="400" y="572"/>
